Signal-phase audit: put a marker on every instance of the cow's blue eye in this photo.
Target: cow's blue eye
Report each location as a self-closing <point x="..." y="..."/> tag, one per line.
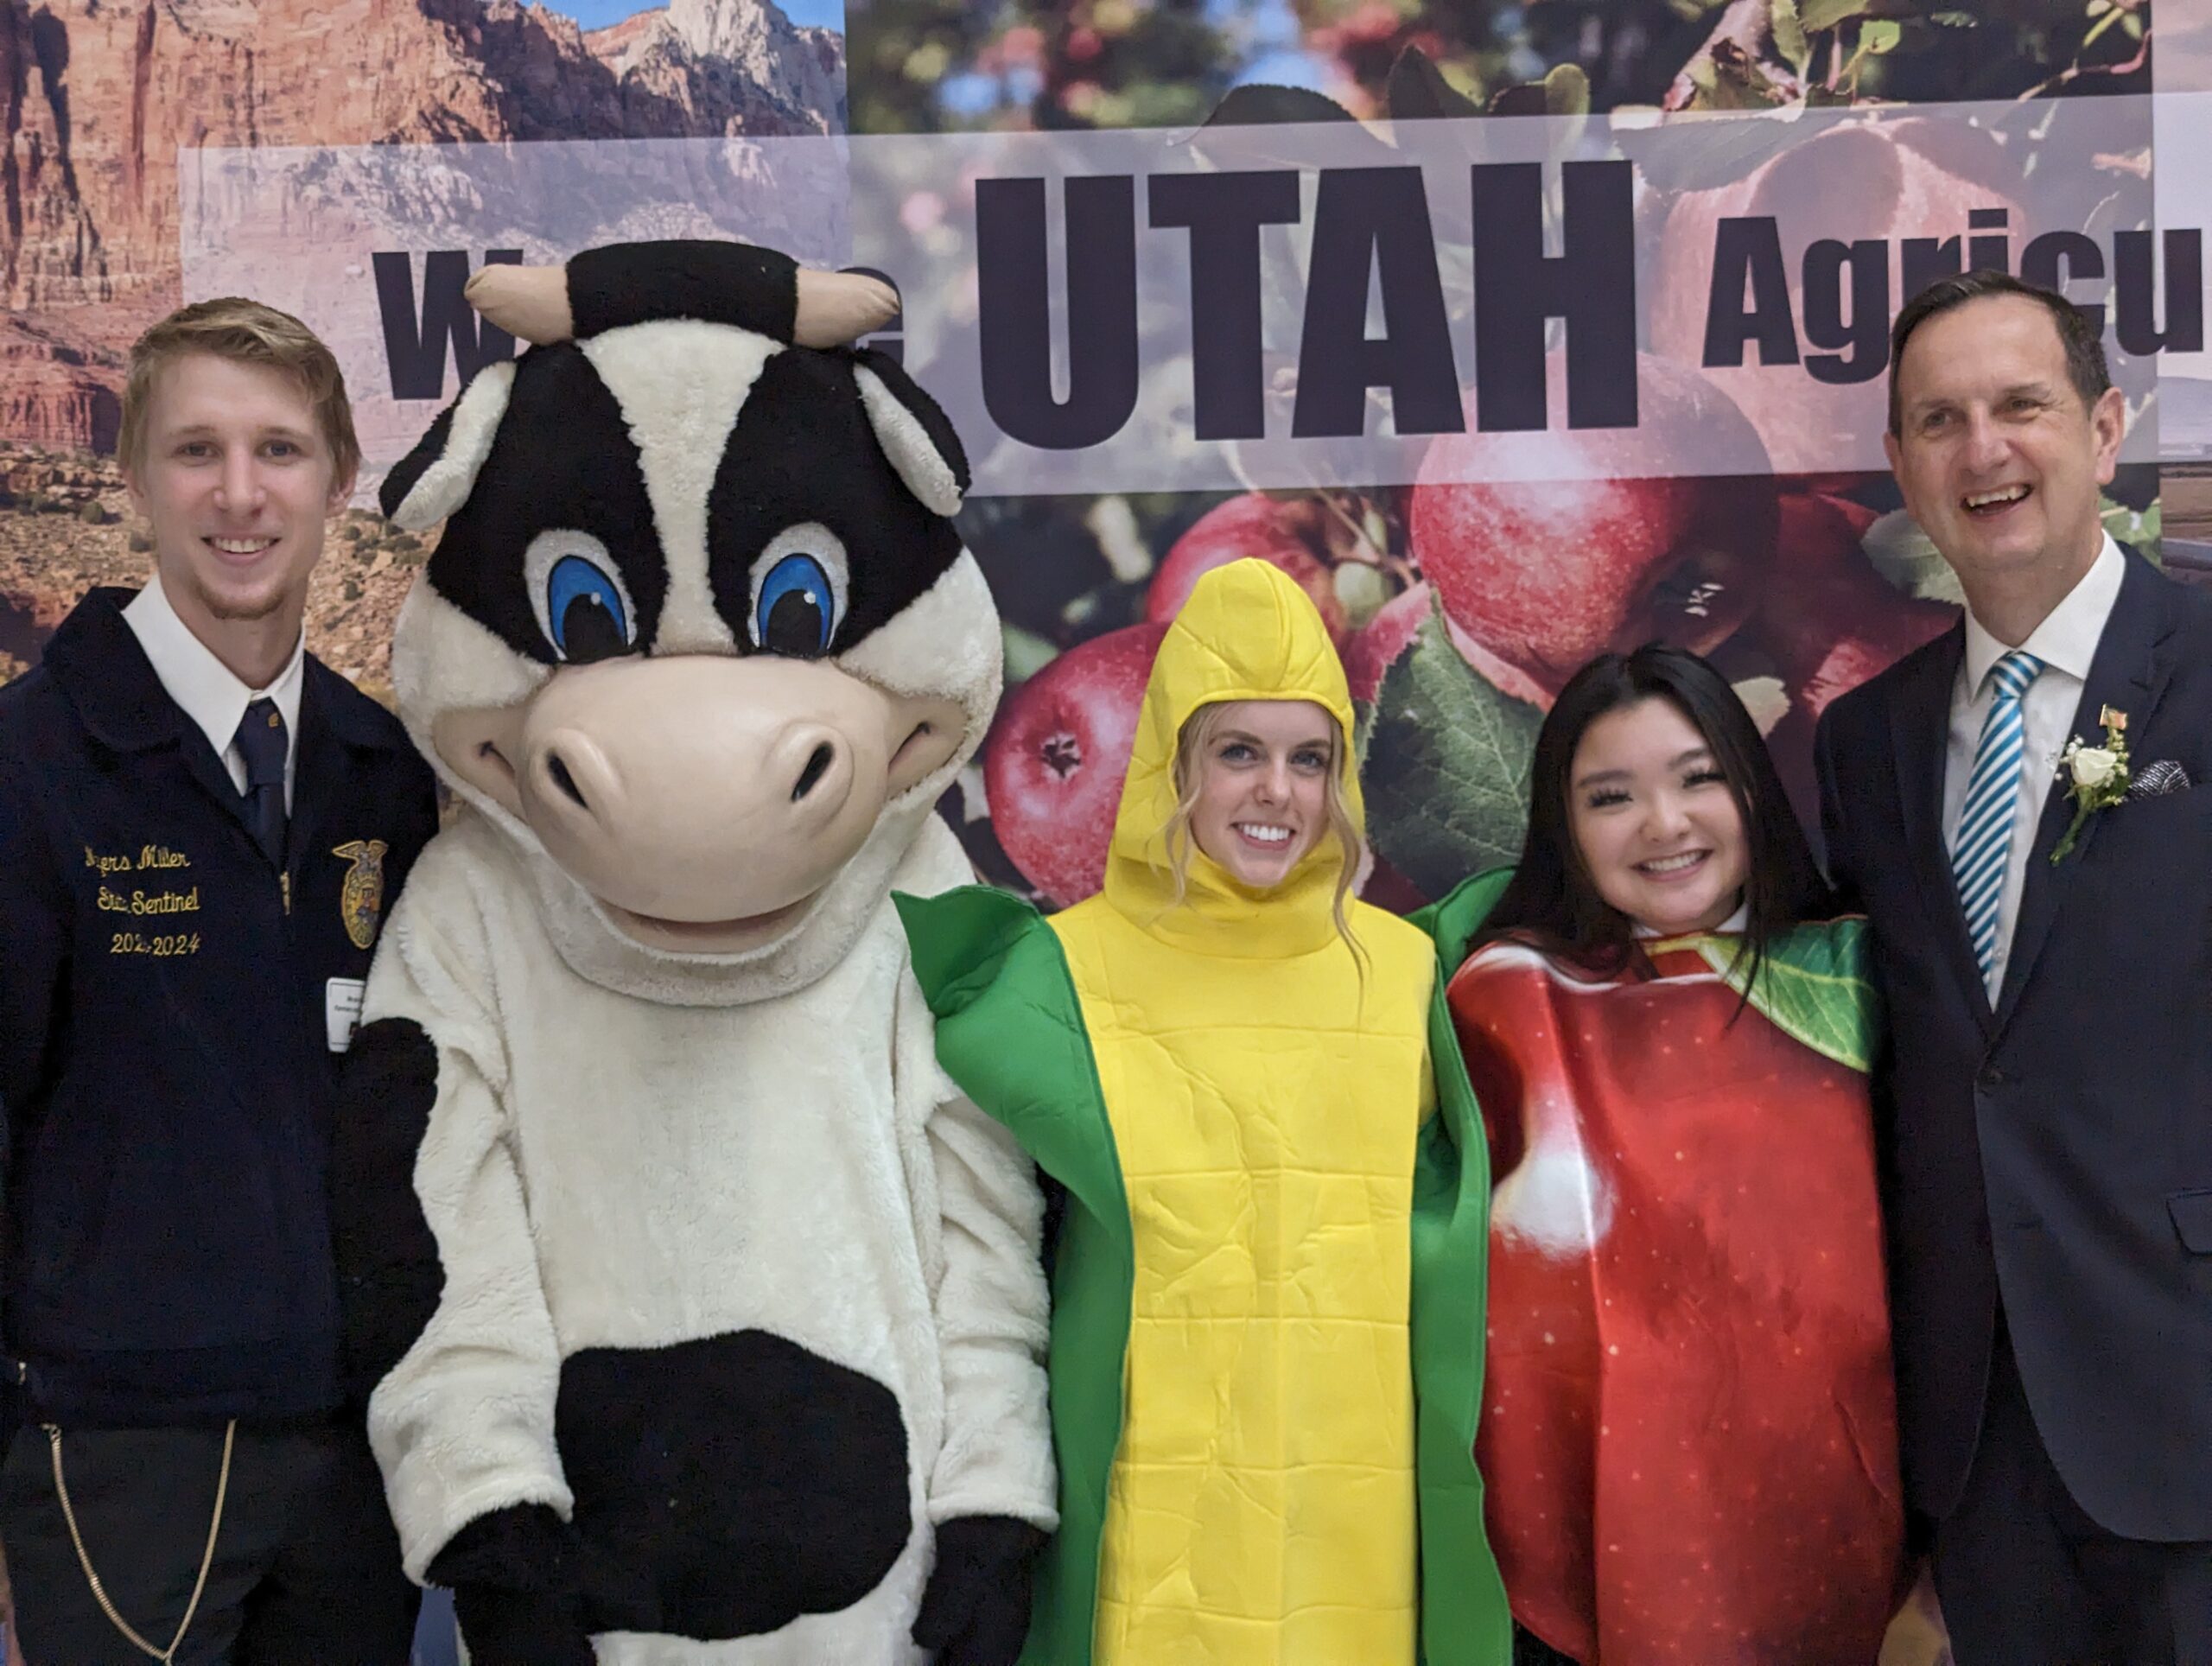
<point x="796" y="611"/>
<point x="584" y="612"/>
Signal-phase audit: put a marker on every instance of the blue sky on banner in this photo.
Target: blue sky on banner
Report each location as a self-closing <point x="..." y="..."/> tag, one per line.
<point x="598" y="14"/>
<point x="1268" y="36"/>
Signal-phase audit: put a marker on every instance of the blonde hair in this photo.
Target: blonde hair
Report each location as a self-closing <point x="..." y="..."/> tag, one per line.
<point x="241" y="332"/>
<point x="1191" y="743"/>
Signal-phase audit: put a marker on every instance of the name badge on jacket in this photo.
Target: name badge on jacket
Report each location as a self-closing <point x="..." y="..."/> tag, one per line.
<point x="341" y="1010"/>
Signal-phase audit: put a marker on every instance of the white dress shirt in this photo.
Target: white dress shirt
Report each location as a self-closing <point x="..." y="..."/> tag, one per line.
<point x="207" y="690"/>
<point x="2066" y="642"/>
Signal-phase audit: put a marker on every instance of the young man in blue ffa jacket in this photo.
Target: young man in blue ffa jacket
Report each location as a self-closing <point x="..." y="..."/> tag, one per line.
<point x="200" y="830"/>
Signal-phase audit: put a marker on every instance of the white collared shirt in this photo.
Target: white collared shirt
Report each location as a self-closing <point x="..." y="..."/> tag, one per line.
<point x="207" y="690"/>
<point x="2066" y="642"/>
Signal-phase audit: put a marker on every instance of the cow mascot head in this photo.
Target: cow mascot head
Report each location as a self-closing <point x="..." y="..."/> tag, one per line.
<point x="699" y="1315"/>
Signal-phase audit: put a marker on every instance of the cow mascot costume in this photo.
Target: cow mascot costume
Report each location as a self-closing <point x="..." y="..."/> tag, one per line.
<point x="700" y="1318"/>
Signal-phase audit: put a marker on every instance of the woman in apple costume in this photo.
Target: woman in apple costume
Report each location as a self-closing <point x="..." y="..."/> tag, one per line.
<point x="1266" y="1350"/>
<point x="1689" y="1436"/>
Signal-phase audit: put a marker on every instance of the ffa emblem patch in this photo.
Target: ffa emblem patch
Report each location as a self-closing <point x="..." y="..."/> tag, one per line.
<point x="363" y="898"/>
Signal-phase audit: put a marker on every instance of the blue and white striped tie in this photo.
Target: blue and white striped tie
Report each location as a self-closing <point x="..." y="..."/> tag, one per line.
<point x="1980" y="853"/>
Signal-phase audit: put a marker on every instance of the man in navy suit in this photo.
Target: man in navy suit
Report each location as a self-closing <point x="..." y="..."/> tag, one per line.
<point x="2045" y="1102"/>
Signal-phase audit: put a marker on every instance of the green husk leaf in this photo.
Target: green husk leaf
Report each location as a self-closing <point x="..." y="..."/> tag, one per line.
<point x="1447" y="765"/>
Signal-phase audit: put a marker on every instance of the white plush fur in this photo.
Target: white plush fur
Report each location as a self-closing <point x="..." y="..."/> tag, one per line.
<point x="680" y="384"/>
<point x="446" y="484"/>
<point x="634" y="1148"/>
<point x="944" y="642"/>
<point x="553" y="546"/>
<point x="602" y="1171"/>
<point x="441" y="661"/>
<point x="907" y="444"/>
<point x="808" y="538"/>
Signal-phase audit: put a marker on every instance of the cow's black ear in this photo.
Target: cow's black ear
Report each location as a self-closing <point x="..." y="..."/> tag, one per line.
<point x="913" y="430"/>
<point x="435" y="477"/>
<point x="735" y="284"/>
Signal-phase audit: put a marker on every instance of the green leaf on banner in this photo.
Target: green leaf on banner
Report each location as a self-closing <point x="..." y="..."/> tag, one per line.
<point x="1827" y="14"/>
<point x="1445" y="773"/>
<point x="1566" y="90"/>
<point x="1697" y="156"/>
<point x="1812" y="986"/>
<point x="2139" y="527"/>
<point x="1263" y="105"/>
<point x="1877" y="36"/>
<point x="1727" y="78"/>
<point x="1789" y="35"/>
<point x="1026" y="654"/>
<point x="1417" y="91"/>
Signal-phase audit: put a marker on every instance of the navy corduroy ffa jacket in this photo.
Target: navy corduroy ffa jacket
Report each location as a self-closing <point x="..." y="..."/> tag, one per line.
<point x="173" y="1006"/>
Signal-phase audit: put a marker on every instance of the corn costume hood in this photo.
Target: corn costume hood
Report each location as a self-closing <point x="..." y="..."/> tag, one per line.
<point x="1267" y="1335"/>
<point x="697" y="1313"/>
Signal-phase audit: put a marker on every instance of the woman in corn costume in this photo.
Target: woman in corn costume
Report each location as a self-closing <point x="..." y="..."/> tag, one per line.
<point x="1268" y="1329"/>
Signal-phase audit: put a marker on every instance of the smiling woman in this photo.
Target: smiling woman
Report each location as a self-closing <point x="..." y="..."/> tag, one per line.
<point x="1655" y="823"/>
<point x="1265" y="1424"/>
<point x="1257" y="785"/>
<point x="1669" y="1046"/>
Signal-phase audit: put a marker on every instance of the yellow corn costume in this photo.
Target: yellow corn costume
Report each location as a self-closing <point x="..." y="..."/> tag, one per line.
<point x="1243" y="1154"/>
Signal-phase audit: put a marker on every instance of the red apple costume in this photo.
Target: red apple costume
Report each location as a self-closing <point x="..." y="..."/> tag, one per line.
<point x="1689" y="1437"/>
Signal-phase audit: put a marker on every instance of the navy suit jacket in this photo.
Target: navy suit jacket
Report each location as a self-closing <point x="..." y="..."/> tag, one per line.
<point x="2054" y="1152"/>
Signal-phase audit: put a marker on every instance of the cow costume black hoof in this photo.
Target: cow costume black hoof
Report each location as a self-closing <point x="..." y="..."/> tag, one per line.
<point x="699" y="1316"/>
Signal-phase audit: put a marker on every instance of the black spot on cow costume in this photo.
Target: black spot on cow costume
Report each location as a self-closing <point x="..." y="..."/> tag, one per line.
<point x="700" y="1317"/>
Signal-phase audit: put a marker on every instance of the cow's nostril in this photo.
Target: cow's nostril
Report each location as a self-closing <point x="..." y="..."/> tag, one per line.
<point x="565" y="781"/>
<point x="817" y="765"/>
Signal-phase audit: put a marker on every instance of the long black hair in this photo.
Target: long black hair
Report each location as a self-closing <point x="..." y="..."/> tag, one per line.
<point x="1552" y="902"/>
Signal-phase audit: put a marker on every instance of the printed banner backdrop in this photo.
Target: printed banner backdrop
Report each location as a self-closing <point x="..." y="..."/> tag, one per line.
<point x="1617" y="379"/>
<point x="1291" y="307"/>
<point x="1513" y="331"/>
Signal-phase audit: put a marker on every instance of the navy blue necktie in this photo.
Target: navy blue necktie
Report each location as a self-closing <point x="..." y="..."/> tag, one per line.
<point x="261" y="743"/>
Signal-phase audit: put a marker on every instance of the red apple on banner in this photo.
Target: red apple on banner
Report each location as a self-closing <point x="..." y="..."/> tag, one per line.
<point x="1054" y="764"/>
<point x="1288" y="533"/>
<point x="1828" y="619"/>
<point x="1375" y="647"/>
<point x="1914" y="177"/>
<point x="1548" y="548"/>
<point x="1827" y="622"/>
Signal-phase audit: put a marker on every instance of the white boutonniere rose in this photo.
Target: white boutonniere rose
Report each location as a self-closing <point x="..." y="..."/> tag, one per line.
<point x="2098" y="775"/>
<point x="2091" y="766"/>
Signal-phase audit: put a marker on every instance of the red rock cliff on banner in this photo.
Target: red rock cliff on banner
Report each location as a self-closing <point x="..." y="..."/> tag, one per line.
<point x="99" y="100"/>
